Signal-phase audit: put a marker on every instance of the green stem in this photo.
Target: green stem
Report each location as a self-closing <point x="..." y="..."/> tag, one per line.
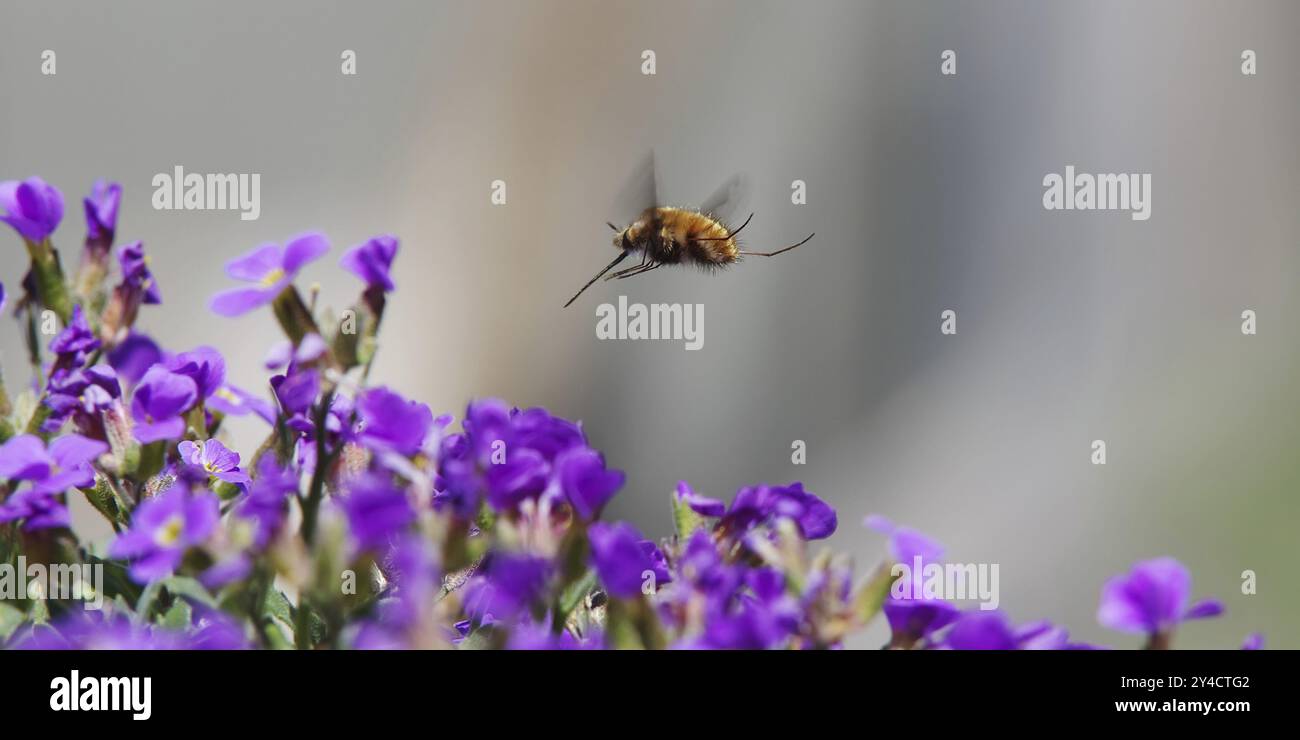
<point x="294" y="316"/>
<point x="51" y="288"/>
<point x="323" y="459"/>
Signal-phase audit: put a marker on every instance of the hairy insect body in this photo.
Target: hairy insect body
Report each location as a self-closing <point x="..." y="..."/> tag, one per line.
<point x="673" y="236"/>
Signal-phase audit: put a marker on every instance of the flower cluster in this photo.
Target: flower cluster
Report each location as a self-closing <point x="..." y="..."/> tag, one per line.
<point x="393" y="527"/>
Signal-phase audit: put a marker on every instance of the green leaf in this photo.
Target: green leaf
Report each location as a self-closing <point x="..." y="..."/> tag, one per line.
<point x="147" y="599"/>
<point x="279" y="607"/>
<point x="872" y="594"/>
<point x="685" y="520"/>
<point x="40" y="613"/>
<point x="226" y="491"/>
<point x="190" y="589"/>
<point x="574" y="594"/>
<point x="101" y="497"/>
<point x="10" y="618"/>
<point x="178" y="617"/>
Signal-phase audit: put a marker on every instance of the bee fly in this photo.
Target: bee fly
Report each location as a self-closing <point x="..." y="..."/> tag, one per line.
<point x="666" y="235"/>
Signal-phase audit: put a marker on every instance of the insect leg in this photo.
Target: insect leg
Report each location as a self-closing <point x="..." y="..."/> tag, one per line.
<point x="642" y="271"/>
<point x="644" y="258"/>
<point x="773" y="254"/>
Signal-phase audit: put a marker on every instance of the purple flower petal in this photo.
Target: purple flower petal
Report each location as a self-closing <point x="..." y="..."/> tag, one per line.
<point x="256" y="264"/>
<point x="1150" y="598"/>
<point x="303" y="249"/>
<point x="586" y="483"/>
<point x="1204" y="609"/>
<point x="371" y="261"/>
<point x="701" y="505"/>
<point x="24" y="458"/>
<point x="32" y="207"/>
<point x="239" y="301"/>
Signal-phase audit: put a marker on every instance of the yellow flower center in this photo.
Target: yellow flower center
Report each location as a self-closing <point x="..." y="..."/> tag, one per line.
<point x="170" y="531"/>
<point x="271" y="278"/>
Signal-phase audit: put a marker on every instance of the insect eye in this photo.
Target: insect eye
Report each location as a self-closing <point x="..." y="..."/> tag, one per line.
<point x="597" y="599"/>
<point x="627" y="243"/>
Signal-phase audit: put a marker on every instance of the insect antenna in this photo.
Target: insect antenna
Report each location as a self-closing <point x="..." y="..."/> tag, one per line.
<point x="728" y="236"/>
<point x="612" y="226"/>
<point x="608" y="267"/>
<point x="773" y="254"/>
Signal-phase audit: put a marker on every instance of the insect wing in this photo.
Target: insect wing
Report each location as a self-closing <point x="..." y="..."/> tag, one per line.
<point x="727" y="201"/>
<point x="641" y="191"/>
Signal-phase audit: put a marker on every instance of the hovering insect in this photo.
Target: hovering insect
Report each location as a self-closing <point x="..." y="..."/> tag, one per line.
<point x="666" y="235"/>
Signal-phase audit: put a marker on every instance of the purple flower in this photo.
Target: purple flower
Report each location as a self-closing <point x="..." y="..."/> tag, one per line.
<point x="82" y="395"/>
<point x="64" y="465"/>
<point x="163" y="528"/>
<point x="158" y="403"/>
<point x="133" y="356"/>
<point x="97" y="630"/>
<point x="377" y="510"/>
<point x="389" y="422"/>
<point x="32" y="207"/>
<point x="137" y="278"/>
<point x="1253" y="641"/>
<point x="510" y="456"/>
<point x="74" y="343"/>
<point x="272" y="268"/>
<point x="101" y="214"/>
<point x="702" y="505"/>
<point x="992" y="630"/>
<point x="215" y="458"/>
<point x="266" y="504"/>
<point x="371" y="261"/>
<point x="233" y="401"/>
<point x="759" y="505"/>
<point x="912" y="620"/>
<point x="905" y="544"/>
<point x="625" y="561"/>
<point x="529" y="636"/>
<point x="983" y="630"/>
<point x="203" y="365"/>
<point x="523" y="474"/>
<point x="586" y="483"/>
<point x="507" y="585"/>
<point x="1152" y="599"/>
<point x="216" y="630"/>
<point x="296" y="391"/>
<point x="745" y="624"/>
<point x="311" y="348"/>
<point x="405" y="619"/>
<point x="2" y="296"/>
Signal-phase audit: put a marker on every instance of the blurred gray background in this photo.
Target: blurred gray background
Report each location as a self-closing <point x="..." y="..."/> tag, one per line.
<point x="925" y="193"/>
